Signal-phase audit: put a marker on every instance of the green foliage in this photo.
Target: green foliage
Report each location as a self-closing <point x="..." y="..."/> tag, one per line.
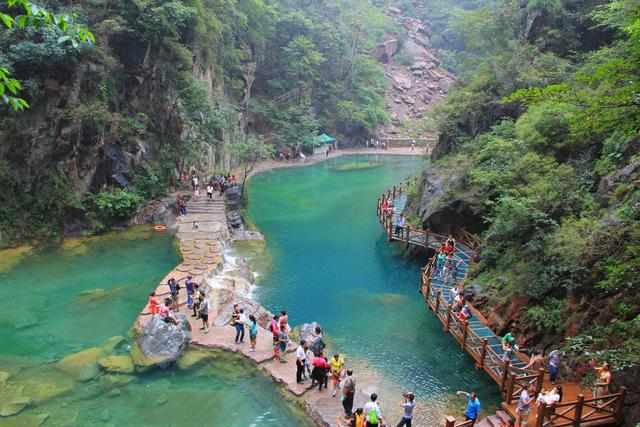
<point x="110" y="207"/>
<point x="29" y="15"/>
<point x="531" y="129"/>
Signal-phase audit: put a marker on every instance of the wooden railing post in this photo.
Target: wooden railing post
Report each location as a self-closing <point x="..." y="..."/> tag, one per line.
<point x="437" y="302"/>
<point x="620" y="405"/>
<point x="407" y="233"/>
<point x="510" y="387"/>
<point x="448" y="321"/>
<point x="539" y="381"/>
<point x="449" y="422"/>
<point x="505" y="374"/>
<point x="465" y="332"/>
<point x="579" y="406"/>
<point x="542" y="413"/>
<point x="483" y="353"/>
<point x="390" y="227"/>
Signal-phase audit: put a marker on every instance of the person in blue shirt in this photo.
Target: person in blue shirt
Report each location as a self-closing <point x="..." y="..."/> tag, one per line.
<point x="473" y="406"/>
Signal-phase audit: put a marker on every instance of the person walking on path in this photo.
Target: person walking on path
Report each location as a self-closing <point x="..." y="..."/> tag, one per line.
<point x="317" y="345"/>
<point x="204" y="313"/>
<point x="524" y="406"/>
<point x="348" y="393"/>
<point x="319" y="373"/>
<point x="253" y="332"/>
<point x="274" y="327"/>
<point x="174" y="289"/>
<point x="554" y="366"/>
<point x="190" y="290"/>
<point x="210" y="191"/>
<point x="400" y="225"/>
<point x="301" y="358"/>
<point x="236" y="321"/>
<point x="283" y="341"/>
<point x="408" y="404"/>
<point x="372" y="413"/>
<point x="337" y="370"/>
<point x="473" y="406"/>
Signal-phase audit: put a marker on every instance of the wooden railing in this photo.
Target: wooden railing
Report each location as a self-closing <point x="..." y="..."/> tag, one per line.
<point x="602" y="410"/>
<point x="451" y="422"/>
<point x="512" y="380"/>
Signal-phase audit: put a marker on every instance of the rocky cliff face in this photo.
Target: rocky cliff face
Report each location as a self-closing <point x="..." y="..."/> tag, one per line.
<point x="416" y="80"/>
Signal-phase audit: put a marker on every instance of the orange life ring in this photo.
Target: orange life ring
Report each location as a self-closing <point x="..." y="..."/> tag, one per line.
<point x="159" y="227"/>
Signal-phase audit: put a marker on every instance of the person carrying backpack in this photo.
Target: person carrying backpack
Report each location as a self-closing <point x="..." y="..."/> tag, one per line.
<point x="373" y="415"/>
<point x="317" y="345"/>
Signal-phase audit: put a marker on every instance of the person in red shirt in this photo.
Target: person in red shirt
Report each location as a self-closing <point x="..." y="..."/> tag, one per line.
<point x="154" y="307"/>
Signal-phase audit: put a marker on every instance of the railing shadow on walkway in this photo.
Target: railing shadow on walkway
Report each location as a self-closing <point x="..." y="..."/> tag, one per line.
<point x="478" y="340"/>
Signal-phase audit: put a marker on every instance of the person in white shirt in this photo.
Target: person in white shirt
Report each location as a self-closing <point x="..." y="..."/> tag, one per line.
<point x="301" y="358"/>
<point x="372" y="413"/>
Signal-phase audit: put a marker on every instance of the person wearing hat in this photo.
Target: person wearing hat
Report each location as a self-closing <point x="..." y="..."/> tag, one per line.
<point x="408" y="404"/>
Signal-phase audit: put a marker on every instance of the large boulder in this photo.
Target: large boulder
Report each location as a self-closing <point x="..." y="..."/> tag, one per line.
<point x="447" y="205"/>
<point x="160" y="343"/>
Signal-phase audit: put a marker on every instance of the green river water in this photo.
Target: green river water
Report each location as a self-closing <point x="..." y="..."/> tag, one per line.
<point x="57" y="301"/>
<point x="328" y="261"/>
<point x="331" y="263"/>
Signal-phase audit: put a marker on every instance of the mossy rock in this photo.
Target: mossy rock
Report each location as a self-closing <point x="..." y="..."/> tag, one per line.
<point x="25" y="420"/>
<point x="194" y="357"/>
<point x="82" y="366"/>
<point x="43" y="391"/>
<point x="9" y="258"/>
<point x="4" y="377"/>
<point x="12" y="400"/>
<point x="117" y="364"/>
<point x="112" y="344"/>
<point x="141" y="361"/>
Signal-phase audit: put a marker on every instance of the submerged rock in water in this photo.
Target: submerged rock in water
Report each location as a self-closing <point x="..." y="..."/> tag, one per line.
<point x="160" y="343"/>
<point x="82" y="366"/>
<point x="117" y="364"/>
<point x="25" y="420"/>
<point x="193" y="357"/>
<point x="99" y="294"/>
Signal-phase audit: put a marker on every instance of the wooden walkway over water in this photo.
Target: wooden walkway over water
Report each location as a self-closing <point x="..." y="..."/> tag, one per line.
<point x="578" y="407"/>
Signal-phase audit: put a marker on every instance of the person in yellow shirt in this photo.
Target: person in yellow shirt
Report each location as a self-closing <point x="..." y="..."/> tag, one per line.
<point x="337" y="370"/>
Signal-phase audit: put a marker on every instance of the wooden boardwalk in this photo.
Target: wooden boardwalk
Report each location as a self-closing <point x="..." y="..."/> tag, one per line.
<point x="474" y="336"/>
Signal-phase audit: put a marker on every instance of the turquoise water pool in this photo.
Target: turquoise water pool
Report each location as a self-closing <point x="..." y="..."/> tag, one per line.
<point x="332" y="263"/>
<point x="57" y="301"/>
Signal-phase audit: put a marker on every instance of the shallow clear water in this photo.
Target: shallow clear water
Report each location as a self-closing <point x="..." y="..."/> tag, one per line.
<point x="332" y="263"/>
<point x="57" y="301"/>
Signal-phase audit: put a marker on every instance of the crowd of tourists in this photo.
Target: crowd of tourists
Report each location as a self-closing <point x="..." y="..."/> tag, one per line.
<point x="216" y="184"/>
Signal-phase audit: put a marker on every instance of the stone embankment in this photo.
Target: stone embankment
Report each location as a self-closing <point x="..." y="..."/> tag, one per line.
<point x="226" y="283"/>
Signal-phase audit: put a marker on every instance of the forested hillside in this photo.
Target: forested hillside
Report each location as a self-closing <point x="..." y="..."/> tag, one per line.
<point x="170" y="85"/>
<point x="539" y="152"/>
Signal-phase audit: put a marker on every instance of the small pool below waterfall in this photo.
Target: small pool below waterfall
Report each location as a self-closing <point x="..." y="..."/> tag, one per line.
<point x="331" y="262"/>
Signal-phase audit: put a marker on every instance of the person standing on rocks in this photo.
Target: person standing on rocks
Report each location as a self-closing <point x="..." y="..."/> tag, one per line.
<point x="196" y="301"/>
<point x="283" y="341"/>
<point x="348" y="393"/>
<point x="301" y="358"/>
<point x="408" y="404"/>
<point x="174" y="289"/>
<point x="372" y="413"/>
<point x="203" y="310"/>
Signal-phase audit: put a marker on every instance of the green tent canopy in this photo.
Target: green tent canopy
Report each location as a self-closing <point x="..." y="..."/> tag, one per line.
<point x="325" y="139"/>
